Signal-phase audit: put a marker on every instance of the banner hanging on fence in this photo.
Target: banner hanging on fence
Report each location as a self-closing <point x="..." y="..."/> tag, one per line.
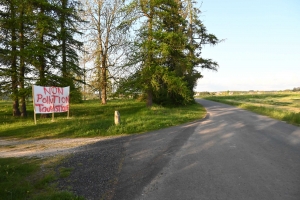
<point x="50" y="99"/>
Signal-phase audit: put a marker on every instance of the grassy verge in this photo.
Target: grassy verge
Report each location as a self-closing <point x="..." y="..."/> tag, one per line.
<point x="91" y="119"/>
<point x="23" y="178"/>
<point x="31" y="179"/>
<point x="283" y="106"/>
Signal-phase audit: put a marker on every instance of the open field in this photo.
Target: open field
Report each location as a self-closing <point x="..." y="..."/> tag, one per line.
<point x="284" y="106"/>
<point x="90" y="119"/>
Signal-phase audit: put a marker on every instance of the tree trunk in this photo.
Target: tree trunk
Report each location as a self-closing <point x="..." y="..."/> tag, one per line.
<point x="42" y="63"/>
<point x="23" y="107"/>
<point x="14" y="75"/>
<point x="103" y="95"/>
<point x="103" y="83"/>
<point x="63" y="45"/>
<point x="149" y="98"/>
<point x="16" y="111"/>
<point x="150" y="57"/>
<point x="22" y="68"/>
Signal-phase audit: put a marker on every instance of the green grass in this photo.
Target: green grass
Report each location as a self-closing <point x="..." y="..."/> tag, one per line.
<point x="65" y="172"/>
<point x="90" y="119"/>
<point x="283" y="106"/>
<point x="22" y="178"/>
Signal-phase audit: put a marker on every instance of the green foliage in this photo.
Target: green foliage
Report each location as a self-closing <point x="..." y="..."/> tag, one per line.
<point x="168" y="51"/>
<point x="75" y="95"/>
<point x="90" y="118"/>
<point x="170" y="89"/>
<point x="37" y="46"/>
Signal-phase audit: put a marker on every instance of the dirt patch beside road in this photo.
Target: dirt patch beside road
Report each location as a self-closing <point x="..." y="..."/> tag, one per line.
<point x="44" y="147"/>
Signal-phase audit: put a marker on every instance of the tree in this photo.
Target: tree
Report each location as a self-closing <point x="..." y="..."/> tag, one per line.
<point x="69" y="20"/>
<point x="24" y="26"/>
<point x="162" y="43"/>
<point x="35" y="36"/>
<point x="170" y="42"/>
<point x="107" y="39"/>
<point x="197" y="38"/>
<point x="9" y="52"/>
<point x="296" y="89"/>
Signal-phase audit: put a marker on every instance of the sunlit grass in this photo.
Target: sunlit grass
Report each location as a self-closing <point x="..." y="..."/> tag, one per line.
<point x="281" y="106"/>
<point x="91" y="119"/>
<point x="22" y="178"/>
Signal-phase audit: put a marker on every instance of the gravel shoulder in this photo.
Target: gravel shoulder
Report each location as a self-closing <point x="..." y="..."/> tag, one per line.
<point x="119" y="169"/>
<point x="95" y="162"/>
<point x="45" y="147"/>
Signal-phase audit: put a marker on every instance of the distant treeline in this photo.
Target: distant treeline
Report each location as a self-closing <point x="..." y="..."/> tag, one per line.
<point x="296" y="89"/>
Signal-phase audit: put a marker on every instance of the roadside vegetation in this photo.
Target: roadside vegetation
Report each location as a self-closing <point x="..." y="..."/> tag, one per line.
<point x="284" y="106"/>
<point x="90" y="119"/>
<point x="24" y="178"/>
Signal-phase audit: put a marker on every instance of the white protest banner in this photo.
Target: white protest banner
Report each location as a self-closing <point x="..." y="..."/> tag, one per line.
<point x="50" y="99"/>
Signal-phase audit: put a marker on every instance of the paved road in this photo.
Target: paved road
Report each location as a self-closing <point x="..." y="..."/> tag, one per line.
<point x="232" y="154"/>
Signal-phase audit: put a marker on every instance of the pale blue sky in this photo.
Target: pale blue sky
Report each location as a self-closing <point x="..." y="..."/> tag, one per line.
<point x="262" y="46"/>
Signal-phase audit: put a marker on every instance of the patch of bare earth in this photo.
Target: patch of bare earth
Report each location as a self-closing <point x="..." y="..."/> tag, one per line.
<point x="44" y="147"/>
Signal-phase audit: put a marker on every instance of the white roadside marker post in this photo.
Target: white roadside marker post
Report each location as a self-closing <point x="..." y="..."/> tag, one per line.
<point x="117" y="118"/>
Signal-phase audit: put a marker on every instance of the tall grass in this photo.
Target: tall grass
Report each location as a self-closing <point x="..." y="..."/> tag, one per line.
<point x="91" y="119"/>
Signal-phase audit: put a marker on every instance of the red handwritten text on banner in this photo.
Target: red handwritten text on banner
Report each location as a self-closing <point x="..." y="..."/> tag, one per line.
<point x="51" y="99"/>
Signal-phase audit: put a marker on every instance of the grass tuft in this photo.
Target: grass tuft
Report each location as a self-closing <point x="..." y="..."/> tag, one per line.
<point x="65" y="172"/>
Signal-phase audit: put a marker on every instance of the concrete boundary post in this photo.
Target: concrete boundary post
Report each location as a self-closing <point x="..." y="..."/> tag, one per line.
<point x="117" y="118"/>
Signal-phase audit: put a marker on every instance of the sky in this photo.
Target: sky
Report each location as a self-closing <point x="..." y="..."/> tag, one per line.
<point x="261" y="50"/>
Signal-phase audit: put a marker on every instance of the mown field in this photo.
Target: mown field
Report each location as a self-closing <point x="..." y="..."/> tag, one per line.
<point x="284" y="106"/>
<point x="90" y="119"/>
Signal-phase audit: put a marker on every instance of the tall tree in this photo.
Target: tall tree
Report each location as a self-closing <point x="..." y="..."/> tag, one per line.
<point x="170" y="50"/>
<point x="32" y="32"/>
<point x="162" y="43"/>
<point x="9" y="51"/>
<point x="172" y="40"/>
<point x="69" y="20"/>
<point x="24" y="36"/>
<point x="107" y="39"/>
<point x="148" y="8"/>
<point x="16" y="26"/>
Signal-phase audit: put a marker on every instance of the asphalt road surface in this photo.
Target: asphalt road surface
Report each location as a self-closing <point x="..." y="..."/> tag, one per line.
<point x="231" y="154"/>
